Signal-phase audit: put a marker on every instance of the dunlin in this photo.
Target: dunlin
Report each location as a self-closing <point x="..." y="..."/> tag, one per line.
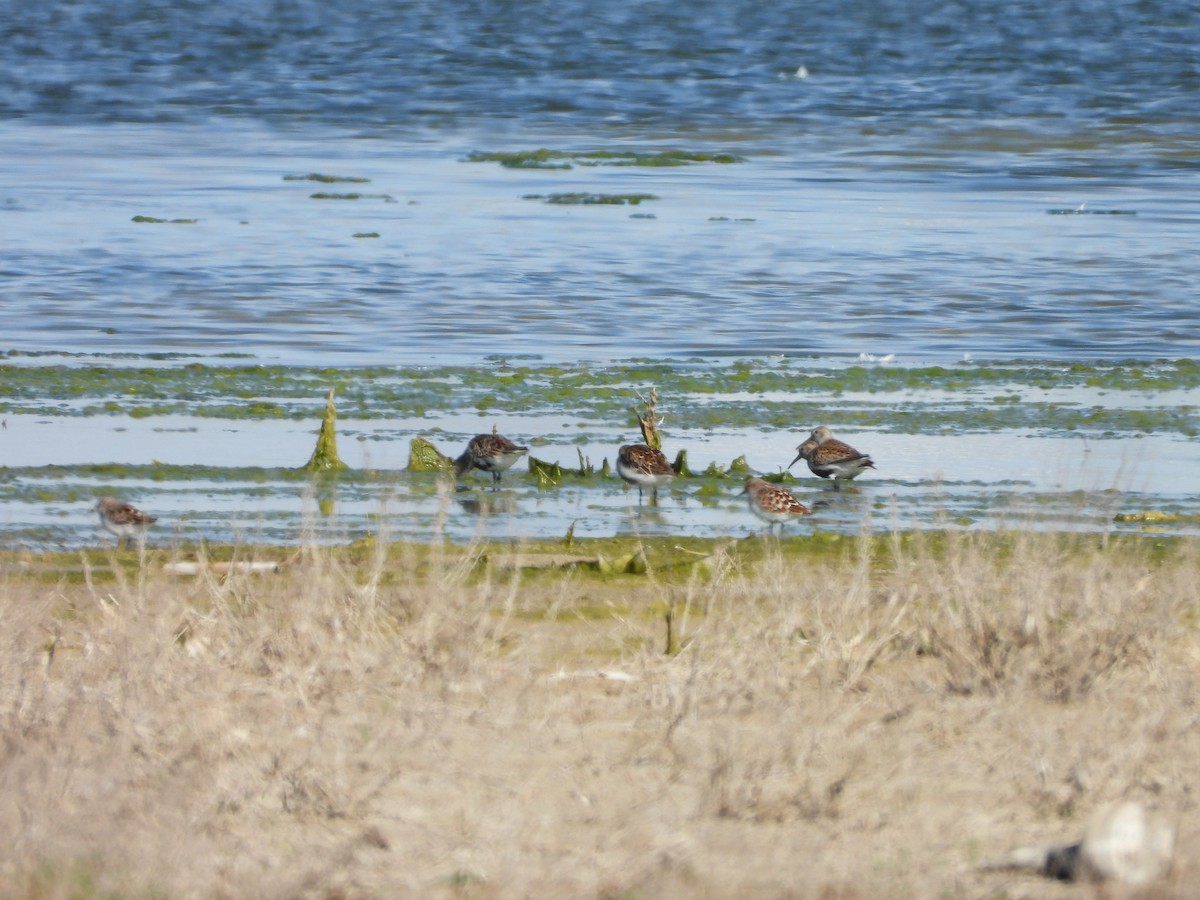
<point x="772" y="503"/>
<point x="830" y="458"/>
<point x="123" y="520"/>
<point x="642" y="465"/>
<point x="489" y="452"/>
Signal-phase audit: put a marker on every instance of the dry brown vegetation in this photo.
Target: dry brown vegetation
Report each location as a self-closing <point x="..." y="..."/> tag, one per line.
<point x="869" y="718"/>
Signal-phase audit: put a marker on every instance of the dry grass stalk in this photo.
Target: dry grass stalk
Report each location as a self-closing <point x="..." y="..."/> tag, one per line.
<point x="396" y="722"/>
<point x="649" y="420"/>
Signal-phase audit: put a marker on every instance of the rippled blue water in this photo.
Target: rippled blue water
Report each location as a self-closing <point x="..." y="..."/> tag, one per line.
<point x="924" y="180"/>
<point x="894" y="199"/>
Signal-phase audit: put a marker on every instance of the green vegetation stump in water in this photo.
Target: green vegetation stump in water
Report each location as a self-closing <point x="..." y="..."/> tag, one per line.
<point x="548" y="474"/>
<point x="780" y="478"/>
<point x="585" y="465"/>
<point x="739" y="466"/>
<point x="325" y="457"/>
<point x="681" y="466"/>
<point x="424" y="457"/>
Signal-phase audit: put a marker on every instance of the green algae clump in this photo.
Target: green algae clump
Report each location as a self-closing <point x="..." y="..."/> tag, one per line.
<point x="152" y="220"/>
<point x="424" y="457"/>
<point x="739" y="466"/>
<point x="582" y="198"/>
<point x="563" y="159"/>
<point x="327" y="179"/>
<point x="328" y="195"/>
<point x="1150" y="516"/>
<point x="547" y="473"/>
<point x="325" y="456"/>
<point x="681" y="466"/>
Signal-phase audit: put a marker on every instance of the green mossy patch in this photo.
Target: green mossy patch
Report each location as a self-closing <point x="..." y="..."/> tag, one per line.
<point x="672" y="560"/>
<point x="325" y="456"/>
<point x="1152" y="518"/>
<point x="328" y="179"/>
<point x="563" y="159"/>
<point x="582" y="198"/>
<point x="153" y="220"/>
<point x="423" y="456"/>
<point x="328" y="195"/>
<point x="526" y="159"/>
<point x="761" y="395"/>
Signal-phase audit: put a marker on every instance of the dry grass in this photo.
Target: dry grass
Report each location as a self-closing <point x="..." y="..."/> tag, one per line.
<point x="408" y="724"/>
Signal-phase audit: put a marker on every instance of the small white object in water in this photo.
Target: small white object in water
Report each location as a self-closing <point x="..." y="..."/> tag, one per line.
<point x="802" y="72"/>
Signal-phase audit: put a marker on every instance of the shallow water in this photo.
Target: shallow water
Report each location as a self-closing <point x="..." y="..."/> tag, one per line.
<point x="784" y="253"/>
<point x="1046" y="483"/>
<point x="960" y="186"/>
<point x="967" y="447"/>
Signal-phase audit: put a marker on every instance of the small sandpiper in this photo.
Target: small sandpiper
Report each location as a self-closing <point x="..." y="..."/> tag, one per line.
<point x="772" y="503"/>
<point x="489" y="452"/>
<point x="123" y="520"/>
<point x="830" y="458"/>
<point x="642" y="465"/>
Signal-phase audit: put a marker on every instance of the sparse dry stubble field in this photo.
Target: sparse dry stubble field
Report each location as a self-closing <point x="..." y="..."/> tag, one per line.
<point x="864" y="718"/>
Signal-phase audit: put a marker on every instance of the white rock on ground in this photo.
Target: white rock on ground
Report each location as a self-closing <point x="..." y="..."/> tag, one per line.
<point x="1124" y="843"/>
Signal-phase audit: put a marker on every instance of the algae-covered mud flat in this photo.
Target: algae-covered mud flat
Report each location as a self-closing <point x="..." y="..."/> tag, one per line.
<point x="216" y="447"/>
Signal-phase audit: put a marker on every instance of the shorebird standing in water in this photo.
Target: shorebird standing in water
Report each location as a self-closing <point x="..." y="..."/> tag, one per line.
<point x="123" y="520"/>
<point x="772" y="503"/>
<point x="642" y="465"/>
<point x="490" y="453"/>
<point x="830" y="458"/>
